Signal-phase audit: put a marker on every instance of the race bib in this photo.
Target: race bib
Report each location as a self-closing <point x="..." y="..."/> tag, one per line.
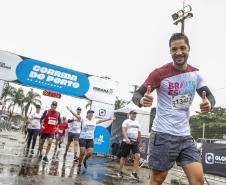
<point x="52" y="122"/>
<point x="89" y="132"/>
<point x="60" y="131"/>
<point x="181" y="101"/>
<point x="34" y="123"/>
<point x="75" y="129"/>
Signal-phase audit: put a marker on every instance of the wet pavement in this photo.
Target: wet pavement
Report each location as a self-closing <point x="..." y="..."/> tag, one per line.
<point x="18" y="169"/>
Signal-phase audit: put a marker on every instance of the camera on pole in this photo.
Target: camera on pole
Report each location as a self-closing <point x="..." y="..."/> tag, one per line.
<point x="181" y="15"/>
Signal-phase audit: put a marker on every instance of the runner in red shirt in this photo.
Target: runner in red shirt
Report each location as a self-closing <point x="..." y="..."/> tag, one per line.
<point x="49" y="125"/>
<point x="60" y="134"/>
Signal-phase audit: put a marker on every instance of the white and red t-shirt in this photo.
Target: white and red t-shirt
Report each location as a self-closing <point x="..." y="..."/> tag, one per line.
<point x="175" y="94"/>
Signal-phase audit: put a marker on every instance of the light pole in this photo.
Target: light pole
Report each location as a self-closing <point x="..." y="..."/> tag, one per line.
<point x="203" y="130"/>
<point x="181" y="15"/>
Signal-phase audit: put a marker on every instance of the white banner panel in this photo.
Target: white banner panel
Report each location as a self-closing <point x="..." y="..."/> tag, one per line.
<point x="103" y="110"/>
<point x="102" y="90"/>
<point x="8" y="64"/>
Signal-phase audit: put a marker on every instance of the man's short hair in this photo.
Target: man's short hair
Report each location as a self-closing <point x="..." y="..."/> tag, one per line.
<point x="132" y="112"/>
<point x="179" y="36"/>
<point x="90" y="111"/>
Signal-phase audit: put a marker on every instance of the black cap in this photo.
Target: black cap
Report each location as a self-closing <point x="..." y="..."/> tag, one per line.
<point x="132" y="112"/>
<point x="90" y="111"/>
<point x="54" y="103"/>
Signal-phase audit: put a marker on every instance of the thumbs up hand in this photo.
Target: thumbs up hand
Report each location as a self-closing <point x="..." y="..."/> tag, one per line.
<point x="205" y="106"/>
<point x="147" y="99"/>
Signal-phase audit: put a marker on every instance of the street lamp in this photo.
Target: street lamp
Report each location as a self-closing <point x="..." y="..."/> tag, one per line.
<point x="181" y="15"/>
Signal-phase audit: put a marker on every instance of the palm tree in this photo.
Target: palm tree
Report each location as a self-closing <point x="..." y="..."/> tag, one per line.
<point x="16" y="99"/>
<point x="31" y="98"/>
<point x="8" y="92"/>
<point x="119" y="103"/>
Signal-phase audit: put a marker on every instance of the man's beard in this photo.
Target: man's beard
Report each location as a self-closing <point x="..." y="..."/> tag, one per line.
<point x="179" y="64"/>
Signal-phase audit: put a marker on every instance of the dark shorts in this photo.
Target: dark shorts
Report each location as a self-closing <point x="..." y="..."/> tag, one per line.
<point x="126" y="148"/>
<point x="87" y="143"/>
<point x="59" y="138"/>
<point x="45" y="136"/>
<point x="166" y="149"/>
<point x="73" y="137"/>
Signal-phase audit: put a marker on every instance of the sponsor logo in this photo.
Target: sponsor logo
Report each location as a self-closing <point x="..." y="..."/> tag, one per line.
<point x="102" y="112"/>
<point x="107" y="91"/>
<point x="99" y="140"/>
<point x="3" y="65"/>
<point x="209" y="158"/>
<point x="51" y="94"/>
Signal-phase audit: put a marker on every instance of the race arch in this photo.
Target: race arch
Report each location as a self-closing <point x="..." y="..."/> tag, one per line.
<point x="34" y="73"/>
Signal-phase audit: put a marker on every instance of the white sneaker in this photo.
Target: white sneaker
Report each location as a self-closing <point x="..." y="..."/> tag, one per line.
<point x="120" y="174"/>
<point x="134" y="175"/>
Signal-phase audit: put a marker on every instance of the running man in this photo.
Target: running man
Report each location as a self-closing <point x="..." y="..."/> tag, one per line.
<point x="33" y="128"/>
<point x="60" y="133"/>
<point x="86" y="140"/>
<point x="170" y="139"/>
<point x="131" y="139"/>
<point x="49" y="125"/>
<point x="74" y="131"/>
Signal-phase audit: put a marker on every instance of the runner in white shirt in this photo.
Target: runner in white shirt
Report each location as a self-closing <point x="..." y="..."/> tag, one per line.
<point x="86" y="137"/>
<point x="33" y="128"/>
<point x="131" y="138"/>
<point x="74" y="130"/>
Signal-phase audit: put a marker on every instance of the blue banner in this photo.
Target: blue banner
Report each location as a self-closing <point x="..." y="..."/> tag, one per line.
<point x="101" y="140"/>
<point x="46" y="76"/>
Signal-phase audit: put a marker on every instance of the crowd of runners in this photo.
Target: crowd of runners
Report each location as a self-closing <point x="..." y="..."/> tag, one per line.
<point x="170" y="139"/>
<point x="49" y="126"/>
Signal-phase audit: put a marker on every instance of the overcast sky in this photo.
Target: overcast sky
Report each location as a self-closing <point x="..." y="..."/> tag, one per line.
<point x="122" y="39"/>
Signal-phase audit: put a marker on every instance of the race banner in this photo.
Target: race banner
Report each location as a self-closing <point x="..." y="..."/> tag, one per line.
<point x="50" y="77"/>
<point x="46" y="76"/>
